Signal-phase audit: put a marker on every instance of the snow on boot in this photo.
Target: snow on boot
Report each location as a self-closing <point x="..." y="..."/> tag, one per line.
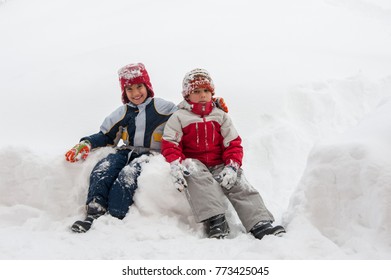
<point x="216" y="227"/>
<point x="94" y="211"/>
<point x="265" y="228"/>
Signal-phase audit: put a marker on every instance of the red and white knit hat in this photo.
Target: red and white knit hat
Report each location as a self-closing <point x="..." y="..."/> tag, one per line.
<point x="197" y="78"/>
<point x="133" y="74"/>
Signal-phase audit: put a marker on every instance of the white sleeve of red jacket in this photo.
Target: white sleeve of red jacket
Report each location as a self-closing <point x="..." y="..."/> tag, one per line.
<point x="232" y="142"/>
<point x="172" y="135"/>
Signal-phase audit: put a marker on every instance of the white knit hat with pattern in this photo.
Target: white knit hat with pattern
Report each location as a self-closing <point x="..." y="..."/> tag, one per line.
<point x="197" y="78"/>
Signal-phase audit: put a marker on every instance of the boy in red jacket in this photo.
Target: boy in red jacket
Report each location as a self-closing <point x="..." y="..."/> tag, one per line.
<point x="202" y="144"/>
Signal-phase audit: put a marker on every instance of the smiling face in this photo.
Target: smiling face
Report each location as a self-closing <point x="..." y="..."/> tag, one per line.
<point x="200" y="95"/>
<point x="136" y="93"/>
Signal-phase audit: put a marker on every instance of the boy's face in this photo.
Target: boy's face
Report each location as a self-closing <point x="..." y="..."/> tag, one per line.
<point x="136" y="93"/>
<point x="200" y="95"/>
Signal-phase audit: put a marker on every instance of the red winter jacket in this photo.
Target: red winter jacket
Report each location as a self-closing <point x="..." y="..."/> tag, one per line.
<point x="203" y="132"/>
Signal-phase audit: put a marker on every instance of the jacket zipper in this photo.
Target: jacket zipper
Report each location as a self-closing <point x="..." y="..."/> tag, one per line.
<point x="206" y="140"/>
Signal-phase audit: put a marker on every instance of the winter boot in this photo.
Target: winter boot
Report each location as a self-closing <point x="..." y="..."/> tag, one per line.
<point x="265" y="228"/>
<point x="216" y="227"/>
<point x="94" y="211"/>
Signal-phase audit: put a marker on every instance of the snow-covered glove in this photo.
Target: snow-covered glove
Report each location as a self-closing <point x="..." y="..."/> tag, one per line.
<point x="142" y="159"/>
<point x="178" y="171"/>
<point x="79" y="151"/>
<point x="227" y="177"/>
<point x="220" y="103"/>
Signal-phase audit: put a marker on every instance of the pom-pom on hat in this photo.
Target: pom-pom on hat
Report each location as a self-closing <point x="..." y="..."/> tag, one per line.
<point x="197" y="78"/>
<point x="133" y="74"/>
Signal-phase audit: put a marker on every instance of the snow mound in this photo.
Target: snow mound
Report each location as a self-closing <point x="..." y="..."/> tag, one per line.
<point x="345" y="191"/>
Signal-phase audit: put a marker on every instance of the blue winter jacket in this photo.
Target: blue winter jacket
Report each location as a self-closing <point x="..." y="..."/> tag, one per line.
<point x="137" y="125"/>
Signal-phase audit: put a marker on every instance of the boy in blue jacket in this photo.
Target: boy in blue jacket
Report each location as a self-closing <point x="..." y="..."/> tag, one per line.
<point x="139" y="122"/>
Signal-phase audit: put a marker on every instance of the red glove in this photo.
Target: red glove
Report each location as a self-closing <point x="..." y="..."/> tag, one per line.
<point x="220" y="103"/>
<point x="79" y="151"/>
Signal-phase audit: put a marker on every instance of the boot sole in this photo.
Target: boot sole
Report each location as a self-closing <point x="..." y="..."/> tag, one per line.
<point x="78" y="229"/>
<point x="278" y="231"/>
<point x="82" y="226"/>
<point x="219" y="235"/>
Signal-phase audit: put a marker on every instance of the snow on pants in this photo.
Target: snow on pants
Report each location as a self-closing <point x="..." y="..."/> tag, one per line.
<point x="113" y="182"/>
<point x="206" y="197"/>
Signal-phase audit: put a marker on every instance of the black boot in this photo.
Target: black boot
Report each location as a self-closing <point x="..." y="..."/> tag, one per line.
<point x="94" y="211"/>
<point x="262" y="229"/>
<point x="82" y="226"/>
<point x="216" y="227"/>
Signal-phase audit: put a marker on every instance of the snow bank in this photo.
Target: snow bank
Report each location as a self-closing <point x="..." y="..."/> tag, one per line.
<point x="345" y="191"/>
<point x="282" y="68"/>
<point x="335" y="202"/>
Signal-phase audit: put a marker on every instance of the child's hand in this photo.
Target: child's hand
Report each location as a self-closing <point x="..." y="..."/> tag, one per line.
<point x="227" y="177"/>
<point x="220" y="103"/>
<point x="178" y="171"/>
<point x="79" y="151"/>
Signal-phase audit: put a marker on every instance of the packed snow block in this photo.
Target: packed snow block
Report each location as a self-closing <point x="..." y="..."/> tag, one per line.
<point x="45" y="182"/>
<point x="345" y="191"/>
<point x="346" y="187"/>
<point x="156" y="194"/>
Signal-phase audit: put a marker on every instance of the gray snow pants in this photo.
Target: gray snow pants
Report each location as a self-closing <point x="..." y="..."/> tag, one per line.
<point x="206" y="197"/>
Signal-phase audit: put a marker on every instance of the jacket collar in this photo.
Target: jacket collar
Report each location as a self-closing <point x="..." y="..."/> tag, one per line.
<point x="202" y="109"/>
<point x="144" y="104"/>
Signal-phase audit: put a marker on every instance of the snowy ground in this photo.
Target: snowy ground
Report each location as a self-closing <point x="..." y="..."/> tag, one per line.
<point x="308" y="84"/>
